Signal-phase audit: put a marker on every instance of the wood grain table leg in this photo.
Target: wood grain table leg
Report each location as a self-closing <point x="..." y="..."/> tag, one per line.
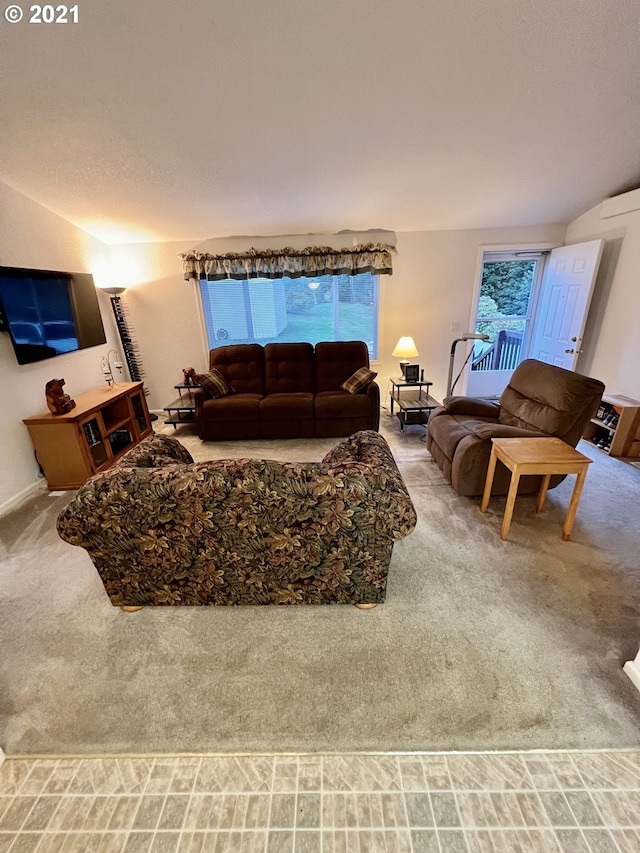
<point x="511" y="502"/>
<point x="488" y="483"/>
<point x="542" y="494"/>
<point x="573" y="504"/>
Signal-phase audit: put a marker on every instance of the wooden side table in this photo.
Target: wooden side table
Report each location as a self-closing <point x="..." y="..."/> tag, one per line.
<point x="543" y="456"/>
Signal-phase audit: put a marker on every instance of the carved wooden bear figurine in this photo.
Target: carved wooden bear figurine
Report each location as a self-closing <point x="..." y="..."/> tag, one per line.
<point x="58" y="402"/>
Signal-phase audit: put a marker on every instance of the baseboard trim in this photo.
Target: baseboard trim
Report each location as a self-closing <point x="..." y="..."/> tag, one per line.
<point x="21" y="497"/>
<point x="632" y="668"/>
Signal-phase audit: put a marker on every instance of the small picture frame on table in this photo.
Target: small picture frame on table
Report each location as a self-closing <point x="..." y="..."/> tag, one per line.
<point x="412" y="373"/>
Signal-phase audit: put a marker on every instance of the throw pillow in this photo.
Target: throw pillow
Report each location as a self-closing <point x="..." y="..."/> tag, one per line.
<point x="357" y="381"/>
<point x="214" y="383"/>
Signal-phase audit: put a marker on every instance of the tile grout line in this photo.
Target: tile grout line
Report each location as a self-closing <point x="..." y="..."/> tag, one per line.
<point x="404" y="801"/>
<point x="271" y="790"/>
<point x="189" y="800"/>
<point x="583" y="780"/>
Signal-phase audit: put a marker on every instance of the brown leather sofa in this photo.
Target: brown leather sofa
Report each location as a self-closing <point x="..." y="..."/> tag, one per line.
<point x="288" y="390"/>
<point x="540" y="400"/>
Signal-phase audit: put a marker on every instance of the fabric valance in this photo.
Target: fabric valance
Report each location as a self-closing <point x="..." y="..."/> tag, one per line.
<point x="293" y="263"/>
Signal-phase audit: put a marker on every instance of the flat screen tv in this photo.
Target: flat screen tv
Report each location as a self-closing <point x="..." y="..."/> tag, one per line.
<point x="49" y="313"/>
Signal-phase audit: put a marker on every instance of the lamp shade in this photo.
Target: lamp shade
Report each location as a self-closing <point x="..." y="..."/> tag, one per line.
<point x="405" y="348"/>
<point x="113" y="291"/>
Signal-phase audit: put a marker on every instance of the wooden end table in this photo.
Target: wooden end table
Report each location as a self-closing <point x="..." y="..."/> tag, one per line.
<point x="543" y="456"/>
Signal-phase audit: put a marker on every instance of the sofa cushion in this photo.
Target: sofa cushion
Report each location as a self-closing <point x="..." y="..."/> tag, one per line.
<point x="236" y="407"/>
<point x="276" y="407"/>
<point x="242" y="365"/>
<point x="336" y="361"/>
<point x="358" y="380"/>
<point x="341" y="404"/>
<point x="214" y="383"/>
<point x="289" y="368"/>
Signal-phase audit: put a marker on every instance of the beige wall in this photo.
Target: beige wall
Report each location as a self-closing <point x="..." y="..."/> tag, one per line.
<point x="31" y="236"/>
<point x="612" y="336"/>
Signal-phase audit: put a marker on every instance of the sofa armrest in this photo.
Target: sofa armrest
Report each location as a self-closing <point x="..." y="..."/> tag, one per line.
<point x="199" y="398"/>
<point x="488" y="431"/>
<point x="372" y="390"/>
<point x="473" y="406"/>
<point x="155" y="451"/>
<point x="368" y="452"/>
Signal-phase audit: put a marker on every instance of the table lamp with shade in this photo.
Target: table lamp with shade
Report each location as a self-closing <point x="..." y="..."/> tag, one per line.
<point x="405" y="350"/>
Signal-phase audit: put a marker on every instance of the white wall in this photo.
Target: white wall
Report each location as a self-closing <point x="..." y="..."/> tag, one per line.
<point x="31" y="236"/>
<point x="612" y="337"/>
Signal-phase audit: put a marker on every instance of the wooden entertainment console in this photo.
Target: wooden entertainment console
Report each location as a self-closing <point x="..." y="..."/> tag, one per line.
<point x="105" y="422"/>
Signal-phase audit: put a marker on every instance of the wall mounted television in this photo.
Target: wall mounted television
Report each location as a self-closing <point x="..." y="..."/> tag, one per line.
<point x="49" y="313"/>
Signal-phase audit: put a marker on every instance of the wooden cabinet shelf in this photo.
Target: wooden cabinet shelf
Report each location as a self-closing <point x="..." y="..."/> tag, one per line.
<point x="616" y="429"/>
<point x="103" y="425"/>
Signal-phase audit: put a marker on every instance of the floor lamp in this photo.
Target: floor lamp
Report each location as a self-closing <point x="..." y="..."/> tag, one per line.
<point x="468" y="336"/>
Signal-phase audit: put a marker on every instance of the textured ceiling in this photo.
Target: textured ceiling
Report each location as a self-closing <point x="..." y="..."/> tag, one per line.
<point x="157" y="120"/>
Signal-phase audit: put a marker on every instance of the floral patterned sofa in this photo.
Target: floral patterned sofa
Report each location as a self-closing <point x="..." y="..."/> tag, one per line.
<point x="163" y="530"/>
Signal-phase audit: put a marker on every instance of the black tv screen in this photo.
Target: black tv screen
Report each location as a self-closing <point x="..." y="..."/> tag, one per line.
<point x="49" y="313"/>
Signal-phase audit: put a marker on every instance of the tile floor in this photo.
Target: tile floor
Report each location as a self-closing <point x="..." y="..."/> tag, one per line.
<point x="445" y="803"/>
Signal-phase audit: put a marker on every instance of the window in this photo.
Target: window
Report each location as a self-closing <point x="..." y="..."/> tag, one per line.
<point x="260" y="310"/>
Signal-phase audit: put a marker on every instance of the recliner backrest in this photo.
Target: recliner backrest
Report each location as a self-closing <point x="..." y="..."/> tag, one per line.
<point x="336" y="361"/>
<point x="551" y="399"/>
<point x="242" y="365"/>
<point x="289" y="368"/>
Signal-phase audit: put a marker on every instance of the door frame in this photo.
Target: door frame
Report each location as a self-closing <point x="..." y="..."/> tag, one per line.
<point x="525" y="248"/>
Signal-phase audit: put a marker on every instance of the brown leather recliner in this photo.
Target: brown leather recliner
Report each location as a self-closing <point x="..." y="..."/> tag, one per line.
<point x="540" y="400"/>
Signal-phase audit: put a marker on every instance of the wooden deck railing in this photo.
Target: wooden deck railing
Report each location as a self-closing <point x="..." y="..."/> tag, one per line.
<point x="503" y="354"/>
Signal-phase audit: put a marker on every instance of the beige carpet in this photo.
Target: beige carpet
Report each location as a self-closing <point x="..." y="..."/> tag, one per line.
<point x="481" y="644"/>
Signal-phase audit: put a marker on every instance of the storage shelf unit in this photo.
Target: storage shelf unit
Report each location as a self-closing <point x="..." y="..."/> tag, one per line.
<point x="104" y="423"/>
<point x="622" y="436"/>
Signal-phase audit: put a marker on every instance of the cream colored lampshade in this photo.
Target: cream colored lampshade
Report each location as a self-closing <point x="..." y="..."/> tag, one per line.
<point x="405" y="348"/>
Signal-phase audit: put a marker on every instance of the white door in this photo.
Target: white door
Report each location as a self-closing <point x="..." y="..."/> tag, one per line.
<point x="562" y="309"/>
